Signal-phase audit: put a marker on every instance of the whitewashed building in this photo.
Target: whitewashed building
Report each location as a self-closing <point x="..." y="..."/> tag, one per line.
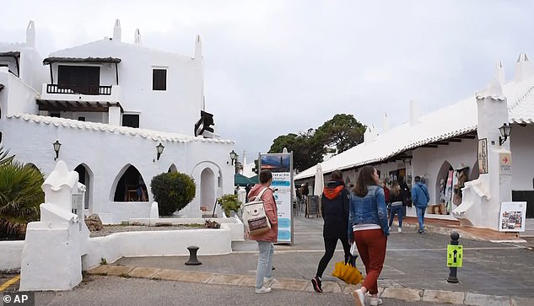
<point x="110" y="104"/>
<point x="441" y="145"/>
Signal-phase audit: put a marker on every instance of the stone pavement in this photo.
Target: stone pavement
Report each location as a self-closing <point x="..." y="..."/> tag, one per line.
<point x="414" y="269"/>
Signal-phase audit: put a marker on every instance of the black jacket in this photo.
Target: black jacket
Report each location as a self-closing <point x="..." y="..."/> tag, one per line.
<point x="335" y="210"/>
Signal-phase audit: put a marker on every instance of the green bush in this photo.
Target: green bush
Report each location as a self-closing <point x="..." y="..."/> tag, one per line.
<point x="173" y="191"/>
<point x="20" y="197"/>
<point x="229" y="202"/>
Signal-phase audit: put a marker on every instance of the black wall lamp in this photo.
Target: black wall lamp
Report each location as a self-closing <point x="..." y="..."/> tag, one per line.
<point x="233" y="156"/>
<point x="505" y="131"/>
<point x="159" y="149"/>
<point x="57" y="146"/>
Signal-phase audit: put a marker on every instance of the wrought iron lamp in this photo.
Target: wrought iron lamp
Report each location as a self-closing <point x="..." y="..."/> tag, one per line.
<point x="159" y="149"/>
<point x="504" y="130"/>
<point x="233" y="157"/>
<point x="57" y="146"/>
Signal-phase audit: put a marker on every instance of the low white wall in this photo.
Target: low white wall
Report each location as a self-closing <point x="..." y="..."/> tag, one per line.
<point x="10" y="254"/>
<point x="234" y="224"/>
<point x="158" y="243"/>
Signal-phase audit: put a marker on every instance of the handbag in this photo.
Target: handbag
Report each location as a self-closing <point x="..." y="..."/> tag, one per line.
<point x="347" y="273"/>
<point x="254" y="218"/>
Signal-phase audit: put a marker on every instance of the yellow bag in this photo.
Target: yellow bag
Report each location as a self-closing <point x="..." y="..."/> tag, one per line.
<point x="347" y="273"/>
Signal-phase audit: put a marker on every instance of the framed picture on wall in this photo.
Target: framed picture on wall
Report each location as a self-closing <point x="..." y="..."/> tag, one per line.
<point x="483" y="156"/>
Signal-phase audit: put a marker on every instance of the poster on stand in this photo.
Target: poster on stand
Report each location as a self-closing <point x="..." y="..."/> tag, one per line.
<point x="281" y="166"/>
<point x="512" y="216"/>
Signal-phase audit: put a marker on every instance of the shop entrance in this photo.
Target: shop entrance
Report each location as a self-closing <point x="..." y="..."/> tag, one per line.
<point x="527" y="196"/>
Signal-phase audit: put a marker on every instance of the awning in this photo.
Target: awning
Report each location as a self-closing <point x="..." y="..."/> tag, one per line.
<point x="10" y="54"/>
<point x="50" y="60"/>
<point x="75" y="106"/>
<point x="241" y="180"/>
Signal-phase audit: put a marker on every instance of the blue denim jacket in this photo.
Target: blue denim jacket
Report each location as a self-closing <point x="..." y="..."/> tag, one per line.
<point x="420" y="195"/>
<point x="370" y="209"/>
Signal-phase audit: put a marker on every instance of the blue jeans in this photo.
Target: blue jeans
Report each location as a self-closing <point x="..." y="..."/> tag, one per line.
<point x="395" y="210"/>
<point x="421" y="217"/>
<point x="265" y="262"/>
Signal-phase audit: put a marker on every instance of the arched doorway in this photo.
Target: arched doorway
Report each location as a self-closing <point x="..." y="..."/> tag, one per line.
<point x="130" y="186"/>
<point x="172" y="169"/>
<point x="444" y="185"/>
<point x="207" y="190"/>
<point x="85" y="176"/>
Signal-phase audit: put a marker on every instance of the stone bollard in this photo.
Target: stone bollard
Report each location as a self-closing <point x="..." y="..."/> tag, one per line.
<point x="452" y="267"/>
<point x="193" y="261"/>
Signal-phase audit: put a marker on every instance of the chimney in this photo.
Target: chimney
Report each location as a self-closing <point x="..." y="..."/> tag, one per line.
<point x="413" y="113"/>
<point x="198" y="48"/>
<point x="30" y="34"/>
<point x="499" y="73"/>
<point x="117" y="33"/>
<point x="385" y="126"/>
<point x="523" y="68"/>
<point x="137" y="37"/>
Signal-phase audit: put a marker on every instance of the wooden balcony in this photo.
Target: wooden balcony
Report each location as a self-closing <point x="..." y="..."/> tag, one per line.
<point x="78" y="89"/>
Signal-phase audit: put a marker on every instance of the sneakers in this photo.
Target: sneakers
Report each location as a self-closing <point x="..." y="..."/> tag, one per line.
<point x="399" y="229"/>
<point x="263" y="290"/>
<point x="375" y="301"/>
<point x="420" y="231"/>
<point x="316" y="282"/>
<point x="359" y="296"/>
<point x="268" y="282"/>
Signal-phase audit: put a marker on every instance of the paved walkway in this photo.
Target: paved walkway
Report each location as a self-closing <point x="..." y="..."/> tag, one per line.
<point x="413" y="261"/>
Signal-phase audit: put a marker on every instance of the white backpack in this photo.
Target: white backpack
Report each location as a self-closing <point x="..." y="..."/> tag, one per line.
<point x="254" y="218"/>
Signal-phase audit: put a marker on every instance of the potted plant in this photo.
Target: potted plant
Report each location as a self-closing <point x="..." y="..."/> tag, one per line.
<point x="229" y="203"/>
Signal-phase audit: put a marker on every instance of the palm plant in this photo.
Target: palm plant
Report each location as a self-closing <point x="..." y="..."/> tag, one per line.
<point x="4" y="159"/>
<point x="20" y="197"/>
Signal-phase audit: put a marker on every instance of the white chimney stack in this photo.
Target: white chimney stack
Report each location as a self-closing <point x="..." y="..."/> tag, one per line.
<point x="30" y="34"/>
<point x="523" y="68"/>
<point x="413" y="113"/>
<point x="198" y="48"/>
<point x="117" y="32"/>
<point x="137" y="37"/>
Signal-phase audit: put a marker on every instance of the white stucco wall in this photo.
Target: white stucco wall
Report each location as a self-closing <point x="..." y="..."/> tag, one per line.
<point x="176" y="109"/>
<point x="522" y="146"/>
<point x="107" y="155"/>
<point x="17" y="96"/>
<point x="10" y="255"/>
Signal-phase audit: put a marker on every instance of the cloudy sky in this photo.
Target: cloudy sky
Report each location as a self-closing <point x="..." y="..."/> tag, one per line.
<point x="275" y="67"/>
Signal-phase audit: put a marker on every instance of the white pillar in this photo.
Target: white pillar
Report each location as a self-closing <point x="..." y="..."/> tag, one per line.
<point x="114" y="115"/>
<point x="483" y="197"/>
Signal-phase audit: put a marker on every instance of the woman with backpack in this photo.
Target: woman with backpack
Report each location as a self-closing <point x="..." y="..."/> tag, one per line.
<point x="264" y="278"/>
<point x="368" y="225"/>
<point x="335" y="212"/>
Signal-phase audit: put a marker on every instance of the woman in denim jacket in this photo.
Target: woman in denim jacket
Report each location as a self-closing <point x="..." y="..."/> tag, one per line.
<point x="368" y="225"/>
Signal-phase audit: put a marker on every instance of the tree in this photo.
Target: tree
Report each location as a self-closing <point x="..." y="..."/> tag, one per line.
<point x="307" y="150"/>
<point x="343" y="132"/>
<point x="173" y="191"/>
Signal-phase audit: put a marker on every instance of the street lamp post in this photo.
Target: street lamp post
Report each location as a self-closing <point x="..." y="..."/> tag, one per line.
<point x="159" y="149"/>
<point x="57" y="146"/>
<point x="504" y="130"/>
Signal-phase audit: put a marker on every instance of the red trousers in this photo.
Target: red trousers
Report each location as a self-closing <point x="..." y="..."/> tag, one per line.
<point x="372" y="248"/>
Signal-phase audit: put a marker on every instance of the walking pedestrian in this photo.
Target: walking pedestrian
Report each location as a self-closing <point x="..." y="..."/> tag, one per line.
<point x="420" y="200"/>
<point x="396" y="200"/>
<point x="264" y="278"/>
<point x="368" y="224"/>
<point x="335" y="212"/>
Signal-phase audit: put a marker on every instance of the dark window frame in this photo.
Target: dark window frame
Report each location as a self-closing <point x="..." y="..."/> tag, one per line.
<point x="133" y="124"/>
<point x="159" y="79"/>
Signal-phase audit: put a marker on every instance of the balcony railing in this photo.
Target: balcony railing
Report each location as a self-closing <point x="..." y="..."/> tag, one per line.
<point x="78" y="89"/>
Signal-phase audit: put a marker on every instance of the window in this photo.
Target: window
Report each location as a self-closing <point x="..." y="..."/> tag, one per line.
<point x="80" y="79"/>
<point x="131" y="120"/>
<point x="159" y="79"/>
